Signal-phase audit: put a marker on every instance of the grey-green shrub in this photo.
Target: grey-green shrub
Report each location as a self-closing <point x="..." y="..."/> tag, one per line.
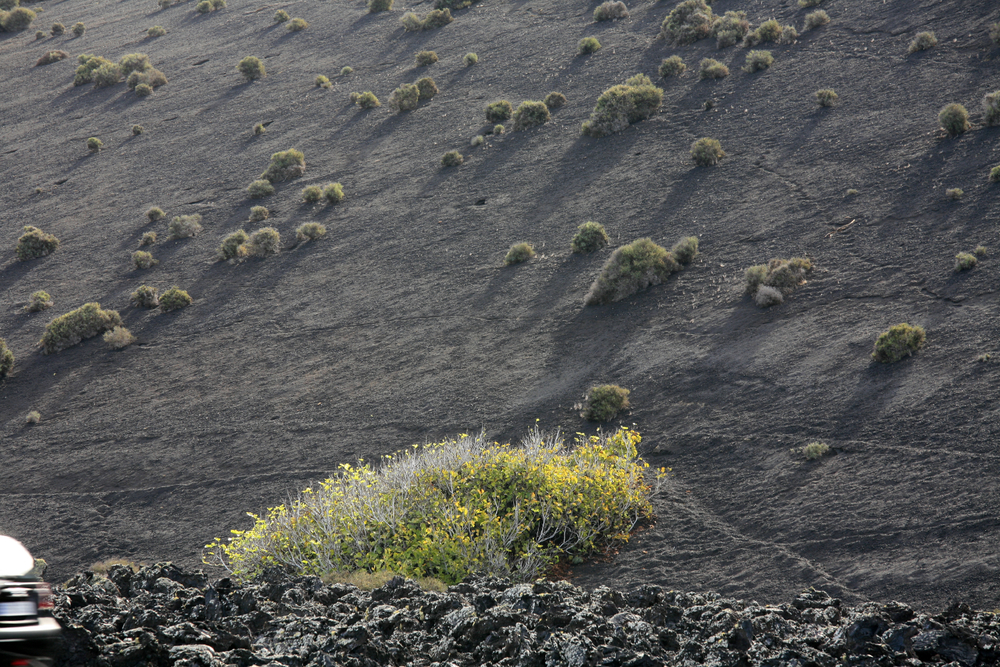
<point x="285" y="165"/>
<point x="498" y="112"/>
<point x="631" y="268"/>
<point x="94" y="144"/>
<point x="815" y="450"/>
<point x="954" y="119"/>
<point x="40" y="300"/>
<point x="346" y="70"/>
<point x="149" y="238"/>
<point x="35" y="243"/>
<point x="768" y="31"/>
<point x="312" y="194"/>
<point x="554" y="100"/>
<point x="470" y="59"/>
<point x="477" y="140"/>
<point x="589" y="237"/>
<point x="622" y="105"/>
<point x="322" y="81"/>
<point x="518" y="253"/>
<point x="143" y="260"/>
<point x="965" y="261"/>
<point x="118" y="338"/>
<point x="405" y="98"/>
<point x="587" y="46"/>
<point x="436" y="18"/>
<point x="334" y="193"/>
<point x="184" y="226"/>
<point x="758" y="60"/>
<point x="672" y="66"/>
<point x="995" y="33"/>
<point x="6" y="359"/>
<point x="954" y="193"/>
<point x="106" y="75"/>
<point x="143" y="90"/>
<point x="376" y="6"/>
<point x="427" y="88"/>
<point x="498" y="129"/>
<point x="688" y="22"/>
<point x="17" y="19"/>
<point x="310" y="231"/>
<point x="685" y="250"/>
<point x="145" y="297"/>
<point x="258" y="213"/>
<point x="78" y="325"/>
<point x="151" y="78"/>
<point x="781" y="275"/>
<point x="898" y="342"/>
<point x="51" y="57"/>
<point x="87" y="65"/>
<point x="252" y="68"/>
<point x="79" y="29"/>
<point x="452" y="159"/>
<point x="991" y="108"/>
<point x="260" y="188"/>
<point x="730" y="29"/>
<point x="155" y="213"/>
<point x="58" y="29"/>
<point x="425" y="58"/>
<point x="610" y="11"/>
<point x="203" y="7"/>
<point x="816" y="19"/>
<point x="995" y="174"/>
<point x="281" y="16"/>
<point x="231" y="245"/>
<point x="605" y="401"/>
<point x="259" y="129"/>
<point x="264" y="241"/>
<point x="707" y="152"/>
<point x="530" y="113"/>
<point x="137" y="130"/>
<point x="174" y="299"/>
<point x="826" y="97"/>
<point x="922" y="42"/>
<point x="710" y="68"/>
<point x="297" y="24"/>
<point x="367" y="100"/>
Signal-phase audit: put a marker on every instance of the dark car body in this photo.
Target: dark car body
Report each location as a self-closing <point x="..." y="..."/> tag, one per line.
<point x="29" y="635"/>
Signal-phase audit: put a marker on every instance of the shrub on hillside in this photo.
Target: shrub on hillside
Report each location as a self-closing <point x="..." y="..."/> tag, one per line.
<point x="6" y="359"/>
<point x="155" y="213"/>
<point x="707" y="152"/>
<point x="134" y="62"/>
<point x="376" y="6"/>
<point x="452" y="159"/>
<point x="87" y="64"/>
<point x="922" y="42"/>
<point x="672" y="66"/>
<point x="954" y="119"/>
<point x="631" y="268"/>
<point x="285" y="165"/>
<point x="149" y="238"/>
<point x="427" y="88"/>
<point x="826" y="97"/>
<point x="554" y="100"/>
<point x="688" y="22"/>
<point x="203" y="7"/>
<point x="425" y="58"/>
<point x="622" y="105"/>
<point x="470" y="59"/>
<point x="184" y="226"/>
<point x="730" y="29"/>
<point x="768" y="31"/>
<point x="251" y="68"/>
<point x="685" y="250"/>
<point x="346" y="70"/>
<point x="312" y="194"/>
<point x="94" y="145"/>
<point x="816" y="19"/>
<point x="518" y="253"/>
<point x="79" y="29"/>
<point x="51" y="57"/>
<point x="137" y="130"/>
<point x="57" y="29"/>
<point x="991" y="108"/>
<point x="498" y="112"/>
<point x="156" y="31"/>
<point x="107" y="75"/>
<point x="322" y="81"/>
<point x="965" y="261"/>
<point x="405" y="98"/>
<point x="119" y="338"/>
<point x="589" y="237"/>
<point x="310" y="231"/>
<point x="995" y="174"/>
<point x="782" y="276"/>
<point x="143" y="260"/>
<point x="17" y="19"/>
<point x="605" y="401"/>
<point x="40" y="301"/>
<point x="610" y="11"/>
<point x="333" y="192"/>
<point x="367" y="100"/>
<point x="78" y="325"/>
<point x="143" y="90"/>
<point x="587" y="45"/>
<point x="432" y="511"/>
<point x="281" y="16"/>
<point x="898" y="342"/>
<point x="758" y="60"/>
<point x="258" y="213"/>
<point x="264" y="241"/>
<point x="232" y="244"/>
<point x="174" y="299"/>
<point x="710" y="68"/>
<point x="530" y="113"/>
<point x="297" y="24"/>
<point x="995" y="33"/>
<point x="145" y="297"/>
<point x="954" y="194"/>
<point x="815" y="450"/>
<point x="436" y="18"/>
<point x="152" y="78"/>
<point x="35" y="243"/>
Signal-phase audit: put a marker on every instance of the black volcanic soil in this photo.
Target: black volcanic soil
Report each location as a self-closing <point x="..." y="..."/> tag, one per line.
<point x="401" y="326"/>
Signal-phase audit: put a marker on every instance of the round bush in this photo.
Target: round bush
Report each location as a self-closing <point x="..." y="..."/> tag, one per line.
<point x="954" y="119"/>
<point x="143" y="90"/>
<point x="297" y="24"/>
<point x="259" y="213"/>
<point x="375" y="6"/>
<point x="605" y="401"/>
<point x="155" y="213"/>
<point x="816" y="19"/>
<point x="345" y="70"/>
<point x="922" y="42"/>
<point x="58" y="29"/>
<point x="405" y="98"/>
<point x="232" y="245"/>
<point x="174" y="299"/>
<point x="425" y="58"/>
<point x="672" y="66"/>
<point x="40" y="300"/>
<point x="554" y="100"/>
<point x="106" y="75"/>
<point x="35" y="243"/>
<point x="707" y="152"/>
<point x="498" y="112"/>
<point x="631" y="268"/>
<point x="530" y="114"/>
<point x="610" y="11"/>
<point x="470" y="59"/>
<point x="78" y="325"/>
<point x="260" y="188"/>
<point x="826" y="97"/>
<point x="203" y="7"/>
<point x="264" y="241"/>
<point x="322" y="81"/>
<point x="17" y="19"/>
<point x="312" y="194"/>
<point x="334" y="193"/>
<point x="285" y="165"/>
<point x="688" y="22"/>
<point x="519" y="252"/>
<point x="589" y="237"/>
<point x="310" y="231"/>
<point x="281" y="16"/>
<point x="768" y="296"/>
<point x="452" y="159"/>
<point x="710" y="68"/>
<point x="965" y="261"/>
<point x="587" y="46"/>
<point x="367" y="100"/>
<point x="6" y="359"/>
<point x="427" y="88"/>
<point x="685" y="250"/>
<point x="185" y="226"/>
<point x="79" y="29"/>
<point x="143" y="260"/>
<point x="252" y="68"/>
<point x="898" y="342"/>
<point x="758" y="60"/>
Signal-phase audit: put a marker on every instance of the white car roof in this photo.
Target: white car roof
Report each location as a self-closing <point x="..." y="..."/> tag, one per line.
<point x="15" y="561"/>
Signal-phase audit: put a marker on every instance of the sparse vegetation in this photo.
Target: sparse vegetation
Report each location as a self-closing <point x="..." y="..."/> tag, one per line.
<point x="310" y="231"/>
<point x="149" y="238"/>
<point x="954" y="119"/>
<point x="589" y="237"/>
<point x="78" y="325"/>
<point x="605" y="401"/>
<point x="991" y="108"/>
<point x="264" y="241"/>
<point x="6" y="359"/>
<point x="425" y="58"/>
<point x="405" y="98"/>
<point x="252" y="68"/>
<point x="259" y="129"/>
<point x="707" y="152"/>
<point x="477" y="140"/>
<point x="816" y="19"/>
<point x="470" y="59"/>
<point x="995" y="33"/>
<point x="79" y="29"/>
<point x="965" y="261"/>
<point x="710" y="68"/>
<point x="297" y="24"/>
<point x="40" y="301"/>
<point x="34" y="416"/>
<point x="334" y="193"/>
<point x="809" y="3"/>
<point x="922" y="42"/>
<point x="554" y="100"/>
<point x="137" y="130"/>
<point x="312" y="194"/>
<point x="898" y="342"/>
<point x="58" y="29"/>
<point x="587" y="46"/>
<point x="631" y="268"/>
<point x="174" y="299"/>
<point x="346" y="70"/>
<point x="610" y="11"/>
<point x="87" y="65"/>
<point x="452" y="159"/>
<point x="376" y="6"/>
<point x="688" y="22"/>
<point x="203" y="7"/>
<point x="954" y="193"/>
<point x="980" y="251"/>
<point x="685" y="250"/>
<point x="730" y="29"/>
<point x="427" y="88"/>
<point x="995" y="174"/>
<point x="436" y="18"/>
<point x="285" y="165"/>
<point x="155" y="213"/>
<point x="518" y="253"/>
<point x="815" y="450"/>
<point x="281" y="16"/>
<point x="770" y="283"/>
<point x="185" y="226"/>
<point x="826" y="97"/>
<point x="672" y="66"/>
<point x="367" y="100"/>
<point x="51" y="57"/>
<point x="498" y="112"/>
<point x="498" y="129"/>
<point x="35" y="243"/>
<point x="145" y="297"/>
<point x="143" y="260"/>
<point x="108" y="74"/>
<point x="119" y="338"/>
<point x="232" y="244"/>
<point x="17" y="19"/>
<point x="259" y="213"/>
<point x="768" y="31"/>
<point x="260" y="188"/>
<point x="530" y="113"/>
<point x="758" y="60"/>
<point x="622" y="105"/>
<point x="322" y="81"/>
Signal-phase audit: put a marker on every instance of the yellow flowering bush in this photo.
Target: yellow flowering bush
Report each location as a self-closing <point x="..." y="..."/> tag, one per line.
<point x="449" y="509"/>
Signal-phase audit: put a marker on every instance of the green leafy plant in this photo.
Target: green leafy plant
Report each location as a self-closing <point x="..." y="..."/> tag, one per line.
<point x="232" y="245"/>
<point x="184" y="226"/>
<point x="281" y="16"/>
<point x="51" y="57"/>
<point x="898" y="342"/>
<point x="143" y="260"/>
<point x="376" y="6"/>
<point x="622" y="105"/>
<point x="427" y="88"/>
<point x="672" y="66"/>
<point x="322" y="81"/>
<point x="965" y="261"/>
<point x="155" y="213"/>
<point x="631" y="268"/>
<point x="605" y="401"/>
<point x="33" y="416"/>
<point x="436" y="18"/>
<point x="285" y="165"/>
<point x="39" y="34"/>
<point x="470" y="59"/>
<point x="518" y="253"/>
<point x="498" y="129"/>
<point x="768" y="31"/>
<point x="954" y="119"/>
<point x="758" y="60"/>
<point x="405" y="98"/>
<point x="203" y="7"/>
<point x="334" y="193"/>
<point x="87" y="64"/>
<point x="107" y="75"/>
<point x="477" y="140"/>
<point x="710" y="68"/>
<point x="134" y="62"/>
<point x="94" y="144"/>
<point x="815" y="450"/>
<point x="826" y="97"/>
<point x="610" y="11"/>
<point x="259" y="129"/>
<point x="554" y="100"/>
<point x="6" y="359"/>
<point x="498" y="112"/>
<point x="980" y="251"/>
<point x="149" y="238"/>
<point x="707" y="152"/>
<point x="259" y="213"/>
<point x="174" y="299"/>
<point x="770" y="283"/>
<point x="589" y="237"/>
<point x="922" y="42"/>
<point x="530" y="113"/>
<point x="954" y="193"/>
<point x="345" y="70"/>
<point x="310" y="231"/>
<point x="260" y="188"/>
<point x="35" y="243"/>
<point x="119" y="338"/>
<point x="688" y="22"/>
<point x="297" y="24"/>
<point x="156" y="31"/>
<point x="150" y="78"/>
<point x="78" y="325"/>
<point x="79" y="29"/>
<point x="587" y="46"/>
<point x="425" y="58"/>
<point x="145" y="297"/>
<point x="264" y="241"/>
<point x="17" y="19"/>
<point x="367" y="100"/>
<point x="40" y="301"/>
<point x="816" y="19"/>
<point x="452" y="159"/>
<point x="312" y="194"/>
<point x="455" y="508"/>
<point x="730" y="29"/>
<point x="252" y="68"/>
